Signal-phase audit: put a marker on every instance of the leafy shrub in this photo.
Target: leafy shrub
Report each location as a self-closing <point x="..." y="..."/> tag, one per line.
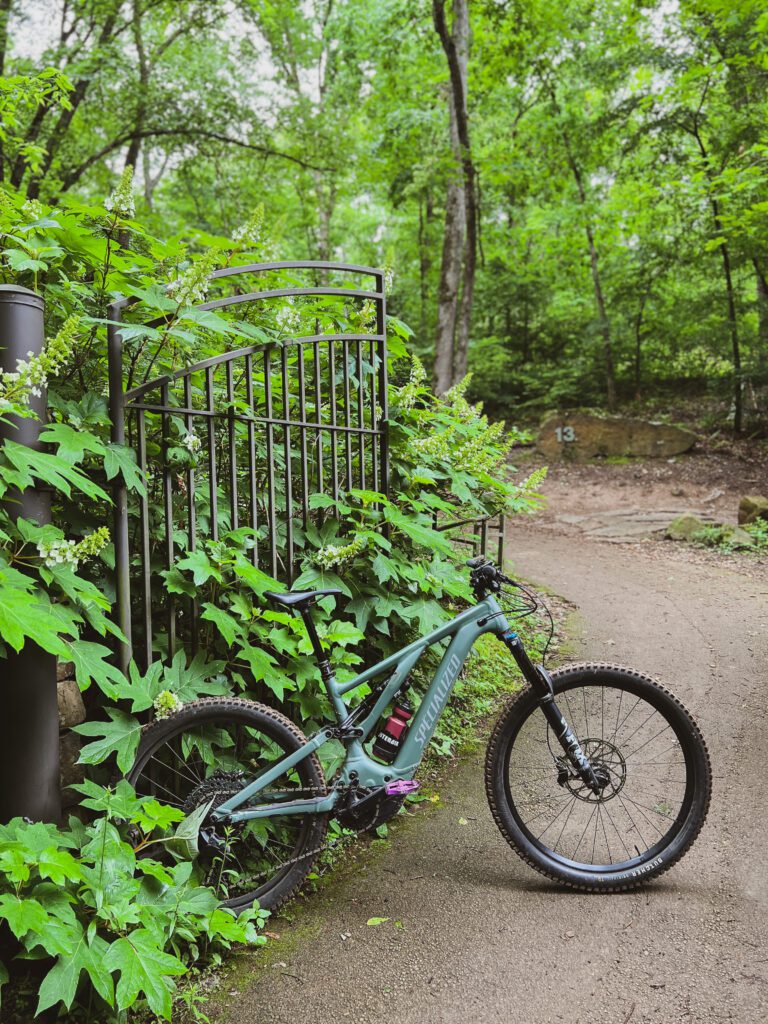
<point x="126" y="925"/>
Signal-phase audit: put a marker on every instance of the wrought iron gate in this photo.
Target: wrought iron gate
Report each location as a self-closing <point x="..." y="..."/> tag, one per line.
<point x="271" y="424"/>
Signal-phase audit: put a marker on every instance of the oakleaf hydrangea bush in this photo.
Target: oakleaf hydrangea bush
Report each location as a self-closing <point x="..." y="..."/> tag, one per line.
<point x="103" y="925"/>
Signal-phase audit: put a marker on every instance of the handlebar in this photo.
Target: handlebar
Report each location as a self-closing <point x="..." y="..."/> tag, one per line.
<point x="486" y="577"/>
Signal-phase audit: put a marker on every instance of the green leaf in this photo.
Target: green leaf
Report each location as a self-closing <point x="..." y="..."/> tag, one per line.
<point x="61" y="982"/>
<point x="139" y="689"/>
<point x="228" y="627"/>
<point x="23" y="615"/>
<point x="31" y="465"/>
<point x="92" y="665"/>
<point x="263" y="667"/>
<point x="144" y="969"/>
<point x="119" y="736"/>
<point x="187" y="834"/>
<point x="20" y="261"/>
<point x="201" y="567"/>
<point x="385" y="568"/>
<point x="58" y="865"/>
<point x="121" y="459"/>
<point x="72" y="444"/>
<point x="374" y="922"/>
<point x="314" y="578"/>
<point x="23" y="915"/>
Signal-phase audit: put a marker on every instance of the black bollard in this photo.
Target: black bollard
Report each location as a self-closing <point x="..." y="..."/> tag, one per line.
<point x="29" y="717"/>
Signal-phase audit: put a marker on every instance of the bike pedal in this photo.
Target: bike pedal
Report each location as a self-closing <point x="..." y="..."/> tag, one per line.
<point x="401" y="787"/>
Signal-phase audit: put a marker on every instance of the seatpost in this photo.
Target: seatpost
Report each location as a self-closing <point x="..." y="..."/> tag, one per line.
<point x="323" y="664"/>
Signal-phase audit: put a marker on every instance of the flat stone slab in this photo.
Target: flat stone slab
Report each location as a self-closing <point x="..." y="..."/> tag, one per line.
<point x="627" y="524"/>
<point x="579" y="436"/>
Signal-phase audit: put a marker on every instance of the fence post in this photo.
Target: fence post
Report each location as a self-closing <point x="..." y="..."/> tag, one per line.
<point x="29" y="718"/>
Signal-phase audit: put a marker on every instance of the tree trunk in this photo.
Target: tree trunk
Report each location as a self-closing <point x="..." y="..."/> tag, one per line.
<point x="456" y="47"/>
<point x="460" y="234"/>
<point x="450" y="274"/>
<point x="725" y="256"/>
<point x="639" y="344"/>
<point x="762" y="317"/>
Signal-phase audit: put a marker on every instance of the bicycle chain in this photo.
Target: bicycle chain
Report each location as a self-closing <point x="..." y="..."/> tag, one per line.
<point x="326" y="846"/>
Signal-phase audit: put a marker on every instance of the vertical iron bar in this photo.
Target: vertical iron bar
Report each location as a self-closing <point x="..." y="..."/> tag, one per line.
<point x="191" y="511"/>
<point x="146" y="557"/>
<point x="271" y="517"/>
<point x="168" y="516"/>
<point x="212" y="480"/>
<point x="361" y="409"/>
<point x="252" y="458"/>
<point x="347" y="414"/>
<point x="232" y="437"/>
<point x="318" y="417"/>
<point x="119" y="490"/>
<point x="374" y="446"/>
<point x="484" y="538"/>
<point x="381" y="330"/>
<point x="333" y="433"/>
<point x="287" y="455"/>
<point x="502" y="530"/>
<point x="303" y="435"/>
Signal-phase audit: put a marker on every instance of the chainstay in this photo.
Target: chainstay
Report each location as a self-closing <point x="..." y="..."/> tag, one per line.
<point x="326" y="847"/>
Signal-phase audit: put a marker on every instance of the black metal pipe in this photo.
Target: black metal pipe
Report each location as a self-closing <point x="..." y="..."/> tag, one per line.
<point x="29" y="723"/>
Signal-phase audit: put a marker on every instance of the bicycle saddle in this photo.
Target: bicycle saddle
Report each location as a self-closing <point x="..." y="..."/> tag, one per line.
<point x="299" y="599"/>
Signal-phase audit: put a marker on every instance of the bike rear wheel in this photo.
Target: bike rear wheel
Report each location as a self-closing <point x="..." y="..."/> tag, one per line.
<point x="208" y="751"/>
<point x="654" y="770"/>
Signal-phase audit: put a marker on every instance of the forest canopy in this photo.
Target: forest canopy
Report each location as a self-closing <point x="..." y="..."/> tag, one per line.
<point x="571" y="198"/>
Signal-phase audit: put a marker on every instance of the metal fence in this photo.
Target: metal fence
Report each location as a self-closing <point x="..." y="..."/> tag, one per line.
<point x="271" y="424"/>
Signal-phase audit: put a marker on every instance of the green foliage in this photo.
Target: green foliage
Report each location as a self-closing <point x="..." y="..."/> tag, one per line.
<point x="753" y="537"/>
<point x="119" y="925"/>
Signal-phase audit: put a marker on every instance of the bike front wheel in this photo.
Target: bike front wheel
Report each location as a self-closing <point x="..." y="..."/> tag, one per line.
<point x="651" y="760"/>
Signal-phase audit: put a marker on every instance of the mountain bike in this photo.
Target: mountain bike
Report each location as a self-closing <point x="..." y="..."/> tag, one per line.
<point x="596" y="775"/>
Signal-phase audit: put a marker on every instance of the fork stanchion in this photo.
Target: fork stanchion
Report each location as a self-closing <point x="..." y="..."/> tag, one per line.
<point x="29" y="723"/>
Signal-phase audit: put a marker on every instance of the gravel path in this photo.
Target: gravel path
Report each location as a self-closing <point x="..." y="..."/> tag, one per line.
<point x="481" y="937"/>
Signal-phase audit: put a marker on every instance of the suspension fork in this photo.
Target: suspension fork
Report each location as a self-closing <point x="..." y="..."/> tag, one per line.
<point x="541" y="684"/>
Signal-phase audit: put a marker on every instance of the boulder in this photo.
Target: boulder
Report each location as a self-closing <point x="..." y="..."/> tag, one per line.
<point x="684" y="527"/>
<point x="580" y="436"/>
<point x="71" y="707"/>
<point x="65" y="670"/>
<point x="751" y="508"/>
<point x="70" y="772"/>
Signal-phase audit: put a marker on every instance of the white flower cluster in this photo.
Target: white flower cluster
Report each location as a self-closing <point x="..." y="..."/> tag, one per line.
<point x="33" y="209"/>
<point x="166" y="703"/>
<point x="248" y="235"/>
<point x="70" y="552"/>
<point x="333" y="555"/>
<point x="288" y="318"/>
<point x="32" y="374"/>
<point x="389" y="277"/>
<point x="409" y="393"/>
<point x="59" y="552"/>
<point x="120" y="202"/>
<point x="192" y="442"/>
<point x="365" y="316"/>
<point x="191" y="286"/>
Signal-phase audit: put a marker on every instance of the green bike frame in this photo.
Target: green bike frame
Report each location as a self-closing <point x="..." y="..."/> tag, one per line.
<point x="484" y="617"/>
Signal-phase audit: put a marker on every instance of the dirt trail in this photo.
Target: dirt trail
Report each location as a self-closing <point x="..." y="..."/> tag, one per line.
<point x="483" y="938"/>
